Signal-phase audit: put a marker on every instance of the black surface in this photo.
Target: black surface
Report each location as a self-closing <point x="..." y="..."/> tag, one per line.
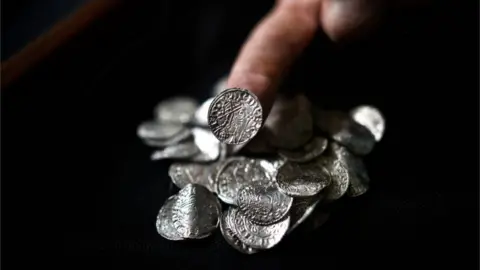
<point x="78" y="189"/>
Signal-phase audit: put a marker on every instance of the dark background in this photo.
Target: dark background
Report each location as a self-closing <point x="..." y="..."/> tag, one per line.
<point x="78" y="189"/>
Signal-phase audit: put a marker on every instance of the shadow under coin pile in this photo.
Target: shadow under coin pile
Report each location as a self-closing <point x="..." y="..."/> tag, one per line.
<point x="301" y="159"/>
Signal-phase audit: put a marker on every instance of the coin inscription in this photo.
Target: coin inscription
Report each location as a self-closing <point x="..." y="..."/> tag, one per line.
<point x="263" y="203"/>
<point x="259" y="236"/>
<point x="235" y="116"/>
<point x="302" y="180"/>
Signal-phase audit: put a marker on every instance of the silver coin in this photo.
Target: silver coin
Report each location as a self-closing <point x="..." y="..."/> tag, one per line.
<point x="178" y="151"/>
<point x="340" y="176"/>
<point x="301" y="209"/>
<point x="289" y="123"/>
<point x="342" y="129"/>
<point x="302" y="180"/>
<point x="371" y="118"/>
<point x="201" y="115"/>
<point x="238" y="171"/>
<point x="176" y="109"/>
<point x="183" y="135"/>
<point x="207" y="143"/>
<point x="212" y="175"/>
<point x="359" y="179"/>
<point x="306" y="153"/>
<point x="259" y="236"/>
<point x="164" y="221"/>
<point x="152" y="130"/>
<point x="235" y="116"/>
<point x="263" y="203"/>
<point x="195" y="212"/>
<point x="183" y="174"/>
<point x="230" y="235"/>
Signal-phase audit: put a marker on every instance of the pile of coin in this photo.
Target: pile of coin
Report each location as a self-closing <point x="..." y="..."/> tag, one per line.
<point x="268" y="177"/>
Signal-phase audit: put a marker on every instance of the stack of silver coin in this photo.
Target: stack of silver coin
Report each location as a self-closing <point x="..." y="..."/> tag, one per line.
<point x="267" y="182"/>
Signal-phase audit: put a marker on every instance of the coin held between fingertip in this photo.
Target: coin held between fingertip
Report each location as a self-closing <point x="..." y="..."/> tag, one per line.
<point x="235" y="116"/>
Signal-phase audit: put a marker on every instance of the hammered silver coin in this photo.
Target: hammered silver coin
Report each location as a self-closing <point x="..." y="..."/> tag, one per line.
<point x="340" y="177"/>
<point x="195" y="212"/>
<point x="371" y="118"/>
<point x="259" y="236"/>
<point x="263" y="203"/>
<point x="176" y="109"/>
<point x="235" y="116"/>
<point x="178" y="151"/>
<point x="183" y="174"/>
<point x="228" y="232"/>
<point x="359" y="179"/>
<point x="342" y="129"/>
<point x="183" y="135"/>
<point x="201" y="115"/>
<point x="301" y="209"/>
<point x="290" y="123"/>
<point x="306" y="153"/>
<point x="152" y="130"/>
<point x="164" y="223"/>
<point x="302" y="180"/>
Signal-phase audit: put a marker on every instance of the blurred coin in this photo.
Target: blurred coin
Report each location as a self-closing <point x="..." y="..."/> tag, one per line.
<point x="158" y="131"/>
<point x="301" y="209"/>
<point x="290" y="123"/>
<point x="342" y="129"/>
<point x="340" y="176"/>
<point x="302" y="180"/>
<point x="183" y="174"/>
<point x="262" y="202"/>
<point x="307" y="152"/>
<point x="201" y="114"/>
<point x="183" y="135"/>
<point x="207" y="143"/>
<point x="230" y="235"/>
<point x="195" y="212"/>
<point x="178" y="151"/>
<point x="164" y="223"/>
<point x="359" y="180"/>
<point x="371" y="118"/>
<point x="259" y="236"/>
<point x="235" y="116"/>
<point x="176" y="109"/>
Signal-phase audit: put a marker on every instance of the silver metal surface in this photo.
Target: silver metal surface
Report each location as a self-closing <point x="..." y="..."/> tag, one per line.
<point x="302" y="180"/>
<point x="179" y="151"/>
<point x="306" y="153"/>
<point x="152" y="130"/>
<point x="230" y="235"/>
<point x="238" y="171"/>
<point x="235" y="116"/>
<point x="371" y="118"/>
<point x="262" y="202"/>
<point x="195" y="212"/>
<point x="342" y="129"/>
<point x="176" y="109"/>
<point x="259" y="236"/>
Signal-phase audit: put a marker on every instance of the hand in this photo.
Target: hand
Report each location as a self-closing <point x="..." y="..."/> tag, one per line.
<point x="284" y="33"/>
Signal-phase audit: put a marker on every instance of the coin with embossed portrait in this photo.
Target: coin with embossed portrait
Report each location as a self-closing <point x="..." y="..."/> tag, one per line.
<point x="235" y="116"/>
